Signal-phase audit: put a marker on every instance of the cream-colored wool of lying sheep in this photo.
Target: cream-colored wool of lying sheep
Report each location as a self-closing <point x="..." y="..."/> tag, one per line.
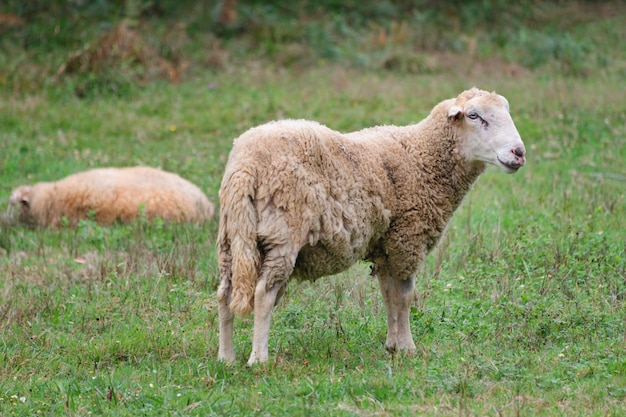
<point x="112" y="195"/>
<point x="300" y="199"/>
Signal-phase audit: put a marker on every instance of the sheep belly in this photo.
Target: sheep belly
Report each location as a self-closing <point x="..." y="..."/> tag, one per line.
<point x="317" y="261"/>
<point x="333" y="254"/>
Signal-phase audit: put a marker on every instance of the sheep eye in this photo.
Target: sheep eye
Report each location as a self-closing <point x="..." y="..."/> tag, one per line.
<point x="472" y="116"/>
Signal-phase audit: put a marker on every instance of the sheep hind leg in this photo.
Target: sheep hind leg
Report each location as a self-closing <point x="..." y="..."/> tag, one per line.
<point x="274" y="276"/>
<point x="264" y="301"/>
<point x="397" y="295"/>
<point x="226" y="352"/>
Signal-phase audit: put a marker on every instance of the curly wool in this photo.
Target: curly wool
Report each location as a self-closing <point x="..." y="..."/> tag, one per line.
<point x="298" y="188"/>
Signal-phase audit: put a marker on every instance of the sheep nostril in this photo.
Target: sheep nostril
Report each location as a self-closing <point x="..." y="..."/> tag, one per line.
<point x="518" y="152"/>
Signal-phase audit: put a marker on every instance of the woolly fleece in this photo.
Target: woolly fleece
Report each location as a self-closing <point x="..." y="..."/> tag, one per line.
<point x="113" y="195"/>
<point x="297" y="190"/>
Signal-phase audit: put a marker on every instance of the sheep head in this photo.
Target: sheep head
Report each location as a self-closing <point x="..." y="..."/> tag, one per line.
<point x="486" y="130"/>
<point x="20" y="198"/>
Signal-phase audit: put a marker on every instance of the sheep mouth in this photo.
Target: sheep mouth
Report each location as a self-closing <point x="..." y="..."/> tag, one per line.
<point x="511" y="166"/>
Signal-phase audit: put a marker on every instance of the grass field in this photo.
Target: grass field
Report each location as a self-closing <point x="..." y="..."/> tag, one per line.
<point x="520" y="311"/>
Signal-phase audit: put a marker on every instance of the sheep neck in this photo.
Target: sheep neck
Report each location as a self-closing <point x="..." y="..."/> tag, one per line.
<point x="447" y="174"/>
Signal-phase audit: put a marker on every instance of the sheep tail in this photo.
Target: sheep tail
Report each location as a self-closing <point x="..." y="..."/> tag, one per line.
<point x="238" y="241"/>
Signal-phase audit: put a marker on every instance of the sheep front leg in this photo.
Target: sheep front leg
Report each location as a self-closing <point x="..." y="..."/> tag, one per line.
<point x="397" y="295"/>
<point x="264" y="300"/>
<point x="226" y="350"/>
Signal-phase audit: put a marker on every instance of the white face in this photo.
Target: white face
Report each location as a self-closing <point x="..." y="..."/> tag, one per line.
<point x="489" y="132"/>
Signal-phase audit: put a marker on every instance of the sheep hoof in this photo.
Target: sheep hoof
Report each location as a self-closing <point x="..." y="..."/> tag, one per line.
<point x="255" y="360"/>
<point x="408" y="348"/>
<point x="228" y="360"/>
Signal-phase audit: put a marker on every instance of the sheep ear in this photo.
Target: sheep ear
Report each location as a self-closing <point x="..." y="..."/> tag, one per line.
<point x="25" y="202"/>
<point x="455" y="114"/>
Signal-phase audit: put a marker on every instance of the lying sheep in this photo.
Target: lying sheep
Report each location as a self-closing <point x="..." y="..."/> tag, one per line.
<point x="112" y="195"/>
<point x="299" y="199"/>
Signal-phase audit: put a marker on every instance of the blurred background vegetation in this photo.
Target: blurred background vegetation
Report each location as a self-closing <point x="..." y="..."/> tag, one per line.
<point x="114" y="46"/>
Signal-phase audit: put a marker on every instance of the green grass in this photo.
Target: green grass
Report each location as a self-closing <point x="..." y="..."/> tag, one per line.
<point x="519" y="311"/>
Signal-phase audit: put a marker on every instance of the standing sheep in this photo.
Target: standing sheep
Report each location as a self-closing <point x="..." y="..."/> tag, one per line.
<point x="112" y="194"/>
<point x="299" y="199"/>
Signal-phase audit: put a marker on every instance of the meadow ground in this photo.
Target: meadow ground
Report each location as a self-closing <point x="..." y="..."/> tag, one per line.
<point x="519" y="311"/>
